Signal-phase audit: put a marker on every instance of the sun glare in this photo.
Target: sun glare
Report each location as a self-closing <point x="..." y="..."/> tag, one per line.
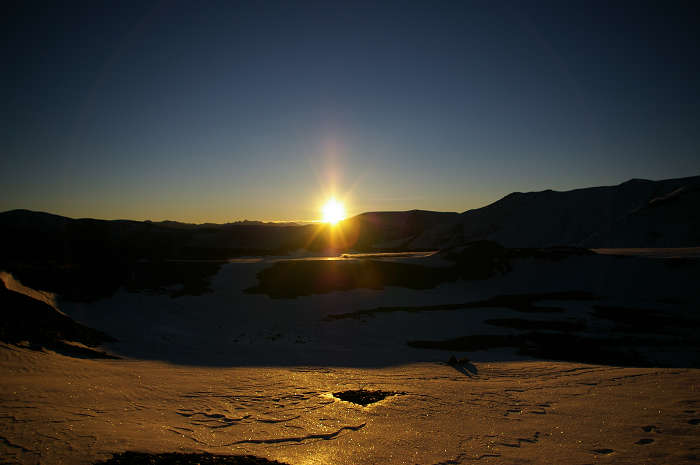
<point x="333" y="211"/>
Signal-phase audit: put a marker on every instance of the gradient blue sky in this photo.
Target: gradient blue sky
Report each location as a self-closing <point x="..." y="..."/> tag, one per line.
<point x="219" y="111"/>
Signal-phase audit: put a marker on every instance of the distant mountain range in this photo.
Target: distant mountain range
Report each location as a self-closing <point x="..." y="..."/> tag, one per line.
<point x="637" y="213"/>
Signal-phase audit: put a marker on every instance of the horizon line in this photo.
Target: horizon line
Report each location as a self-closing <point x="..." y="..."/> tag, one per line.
<point x="317" y="221"/>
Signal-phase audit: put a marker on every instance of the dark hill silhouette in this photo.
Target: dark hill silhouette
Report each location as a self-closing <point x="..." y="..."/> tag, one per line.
<point x="636" y="213"/>
<point x="42" y="236"/>
<point x="378" y="231"/>
<point x="86" y="259"/>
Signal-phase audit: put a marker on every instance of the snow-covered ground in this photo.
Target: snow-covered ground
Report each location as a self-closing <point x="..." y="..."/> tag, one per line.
<point x="230" y="327"/>
<point x="236" y="373"/>
<point x="63" y="410"/>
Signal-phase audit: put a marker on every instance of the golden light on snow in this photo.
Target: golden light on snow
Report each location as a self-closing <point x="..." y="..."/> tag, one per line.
<point x="333" y="211"/>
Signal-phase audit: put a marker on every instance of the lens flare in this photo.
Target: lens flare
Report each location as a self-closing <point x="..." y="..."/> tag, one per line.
<point x="333" y="211"/>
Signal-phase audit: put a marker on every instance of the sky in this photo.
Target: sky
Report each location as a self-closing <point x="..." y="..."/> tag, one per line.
<point x="223" y="111"/>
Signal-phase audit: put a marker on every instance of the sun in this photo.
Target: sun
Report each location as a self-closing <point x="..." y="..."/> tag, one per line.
<point x="333" y="211"/>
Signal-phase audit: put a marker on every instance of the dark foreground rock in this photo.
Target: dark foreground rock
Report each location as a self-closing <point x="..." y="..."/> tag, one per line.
<point x="27" y="320"/>
<point x="363" y="397"/>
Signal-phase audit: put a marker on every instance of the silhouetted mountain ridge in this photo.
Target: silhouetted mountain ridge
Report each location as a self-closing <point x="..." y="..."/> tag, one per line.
<point x="636" y="213"/>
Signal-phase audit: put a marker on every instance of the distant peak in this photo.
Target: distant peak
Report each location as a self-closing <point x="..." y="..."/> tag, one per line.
<point x="27" y="213"/>
<point x="636" y="181"/>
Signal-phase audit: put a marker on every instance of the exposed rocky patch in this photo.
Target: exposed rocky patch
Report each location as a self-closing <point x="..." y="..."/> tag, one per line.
<point x="454" y="361"/>
<point x="473" y="261"/>
<point x="642" y="320"/>
<point x="478" y="259"/>
<point x="537" y="325"/>
<point x="526" y="303"/>
<point x="289" y="279"/>
<point x="87" y="282"/>
<point x="172" y="278"/>
<point x="363" y="397"/>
